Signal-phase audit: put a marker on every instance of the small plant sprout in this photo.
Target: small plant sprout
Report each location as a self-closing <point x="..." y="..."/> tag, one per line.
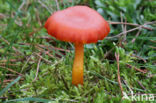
<point x="79" y="25"/>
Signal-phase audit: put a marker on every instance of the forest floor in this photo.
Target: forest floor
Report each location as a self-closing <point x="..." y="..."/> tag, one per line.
<point x="35" y="67"/>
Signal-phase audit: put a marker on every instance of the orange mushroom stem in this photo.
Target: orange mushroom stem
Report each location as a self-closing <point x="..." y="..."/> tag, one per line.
<point x="77" y="73"/>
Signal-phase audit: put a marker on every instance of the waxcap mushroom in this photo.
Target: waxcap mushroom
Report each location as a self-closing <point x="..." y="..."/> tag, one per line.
<point x="79" y="25"/>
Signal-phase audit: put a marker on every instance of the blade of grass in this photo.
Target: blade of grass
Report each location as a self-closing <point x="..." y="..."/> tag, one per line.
<point x="29" y="99"/>
<point x="38" y="100"/>
<point x="9" y="85"/>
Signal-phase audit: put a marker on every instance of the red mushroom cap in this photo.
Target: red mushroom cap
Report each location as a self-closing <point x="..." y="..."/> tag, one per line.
<point x="77" y="24"/>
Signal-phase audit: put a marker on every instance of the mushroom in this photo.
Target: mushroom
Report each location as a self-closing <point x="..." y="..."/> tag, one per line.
<point x="79" y="25"/>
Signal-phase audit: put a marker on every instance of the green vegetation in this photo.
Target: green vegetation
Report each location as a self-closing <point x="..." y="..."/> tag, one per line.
<point x="35" y="67"/>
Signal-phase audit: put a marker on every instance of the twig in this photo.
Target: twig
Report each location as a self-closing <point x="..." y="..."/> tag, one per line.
<point x="52" y="47"/>
<point x="19" y="22"/>
<point x="133" y="40"/>
<point x="45" y="37"/>
<point x="38" y="65"/>
<point x="70" y="1"/>
<point x="10" y="60"/>
<point x="3" y="97"/>
<point x="26" y="62"/>
<point x="125" y="29"/>
<point x="141" y="85"/>
<point x="60" y="49"/>
<point x="153" y="41"/>
<point x="3" y="25"/>
<point x="35" y="30"/>
<point x="114" y="23"/>
<point x="139" y="58"/>
<point x="5" y="81"/>
<point x="46" y="52"/>
<point x="21" y="6"/>
<point x="9" y="80"/>
<point x="142" y="71"/>
<point x="120" y="34"/>
<point x="47" y="47"/>
<point x="152" y="47"/>
<point x="38" y="17"/>
<point x="12" y="46"/>
<point x="10" y="75"/>
<point x="43" y="5"/>
<point x="119" y="80"/>
<point x="2" y="16"/>
<point x="4" y="64"/>
<point x="27" y="5"/>
<point x="151" y="75"/>
<point x="122" y="25"/>
<point x="43" y="58"/>
<point x="11" y="70"/>
<point x="127" y="85"/>
<point x="57" y="4"/>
